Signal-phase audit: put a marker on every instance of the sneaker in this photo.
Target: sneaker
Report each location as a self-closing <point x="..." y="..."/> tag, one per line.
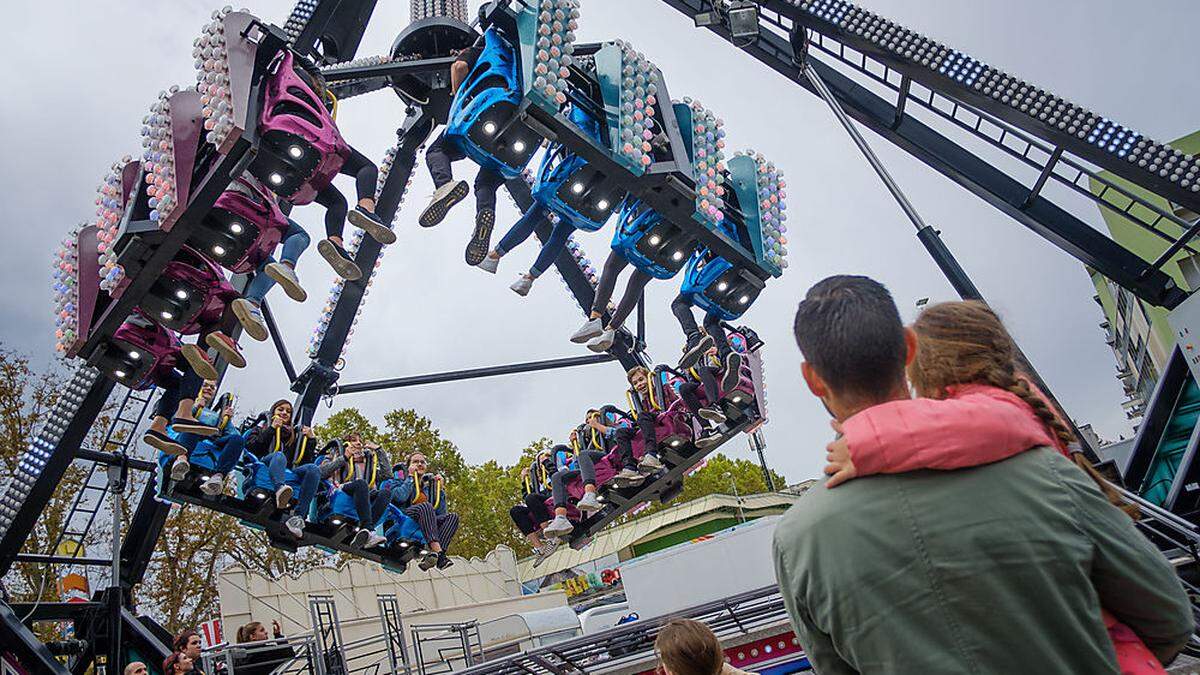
<point x="251" y="318"/>
<point x="180" y="469"/>
<point x="227" y="348"/>
<point x="286" y="277"/>
<point x="589" y="503"/>
<point x="213" y="485"/>
<point x="295" y="525"/>
<point x="489" y="264"/>
<point x="712" y="414"/>
<point x="651" y="463"/>
<point x="360" y="538"/>
<point x="428" y="562"/>
<point x="339" y="260"/>
<point x="559" y="527"/>
<point x="709" y="441"/>
<point x="481" y="238"/>
<point x="200" y="362"/>
<point x="697" y="346"/>
<point x="540" y="553"/>
<point x="604" y="342"/>
<point x="374" y="539"/>
<point x="444" y="561"/>
<point x="444" y="199"/>
<point x="522" y="285"/>
<point x="590" y="329"/>
<point x="630" y="475"/>
<point x="283" y="496"/>
<point x="187" y="425"/>
<point x="163" y="443"/>
<point x="733" y="371"/>
<point x="372" y="225"/>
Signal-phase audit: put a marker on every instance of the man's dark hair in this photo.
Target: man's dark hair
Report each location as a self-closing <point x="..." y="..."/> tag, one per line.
<point x="849" y="330"/>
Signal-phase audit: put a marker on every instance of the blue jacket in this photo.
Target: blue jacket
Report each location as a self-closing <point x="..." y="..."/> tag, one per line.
<point x="405" y="492"/>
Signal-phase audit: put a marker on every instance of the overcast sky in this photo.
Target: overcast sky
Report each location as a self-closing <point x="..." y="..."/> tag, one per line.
<point x="88" y="71"/>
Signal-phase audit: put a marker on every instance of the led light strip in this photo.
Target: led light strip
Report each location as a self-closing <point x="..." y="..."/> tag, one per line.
<point x="65" y="291"/>
<point x="708" y="162"/>
<point x="212" y="77"/>
<point x="556" y="24"/>
<point x="638" y="97"/>
<point x="110" y="208"/>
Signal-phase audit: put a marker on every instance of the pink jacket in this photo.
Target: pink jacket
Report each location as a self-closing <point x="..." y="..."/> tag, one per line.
<point x="979" y="425"/>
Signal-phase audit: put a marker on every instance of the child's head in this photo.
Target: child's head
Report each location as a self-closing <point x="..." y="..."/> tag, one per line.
<point x="687" y="647"/>
<point x="639" y="378"/>
<point x="281" y="410"/>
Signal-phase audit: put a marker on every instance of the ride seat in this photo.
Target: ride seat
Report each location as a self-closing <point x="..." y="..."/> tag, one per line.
<point x="139" y="355"/>
<point x="243" y="227"/>
<point x="650" y="242"/>
<point x="190" y="294"/>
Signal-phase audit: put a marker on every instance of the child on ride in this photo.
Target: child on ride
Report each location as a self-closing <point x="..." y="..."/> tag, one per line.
<point x="571" y="463"/>
<point x="700" y="342"/>
<point x="422" y="497"/>
<point x="366" y="179"/>
<point x="532" y="512"/>
<point x="644" y="408"/>
<point x="616" y="430"/>
<point x="225" y="445"/>
<point x="174" y="409"/>
<point x="975" y="409"/>
<point x="356" y="473"/>
<point x="279" y="447"/>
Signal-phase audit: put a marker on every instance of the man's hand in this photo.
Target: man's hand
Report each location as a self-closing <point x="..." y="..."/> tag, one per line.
<point x="228" y="411"/>
<point x="525" y="472"/>
<point x="308" y="431"/>
<point x="840" y="468"/>
<point x="277" y="421"/>
<point x="276" y="629"/>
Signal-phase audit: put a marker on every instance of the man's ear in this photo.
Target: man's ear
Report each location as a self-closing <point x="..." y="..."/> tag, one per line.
<point x="815" y="384"/>
<point x="910" y="346"/>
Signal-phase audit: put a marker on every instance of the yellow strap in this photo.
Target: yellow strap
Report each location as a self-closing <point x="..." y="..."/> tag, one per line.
<point x="437" y="493"/>
<point x="595" y="441"/>
<point x="278" y="438"/>
<point x="575" y="444"/>
<point x="303" y="446"/>
<point x="650" y="392"/>
<point x="332" y="111"/>
<point x="632" y="407"/>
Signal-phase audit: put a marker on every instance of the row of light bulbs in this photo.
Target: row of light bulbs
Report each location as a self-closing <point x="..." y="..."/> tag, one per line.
<point x="772" y="209"/>
<point x="638" y="98"/>
<point x="708" y="161"/>
<point x="110" y="207"/>
<point x="557" y="21"/>
<point x="211" y="55"/>
<point x="1157" y="158"/>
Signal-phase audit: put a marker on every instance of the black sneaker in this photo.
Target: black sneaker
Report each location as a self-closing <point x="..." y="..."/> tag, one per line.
<point x="697" y="346"/>
<point x="733" y="371"/>
<point x="164" y="443"/>
<point x="339" y="260"/>
<point x="428" y="562"/>
<point x="444" y="561"/>
<point x="481" y="238"/>
<point x="372" y="225"/>
<point x="187" y="426"/>
<point x="444" y="198"/>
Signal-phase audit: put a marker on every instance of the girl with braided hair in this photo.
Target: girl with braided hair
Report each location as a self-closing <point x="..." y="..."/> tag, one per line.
<point x="975" y="408"/>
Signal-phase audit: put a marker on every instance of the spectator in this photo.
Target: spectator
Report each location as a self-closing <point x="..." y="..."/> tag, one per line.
<point x="262" y="659"/>
<point x="187" y="646"/>
<point x="178" y="664"/>
<point x="687" y="647"/>
<point x="996" y="568"/>
<point x="136" y="668"/>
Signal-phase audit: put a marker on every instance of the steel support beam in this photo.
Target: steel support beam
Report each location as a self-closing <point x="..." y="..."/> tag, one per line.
<point x="474" y="373"/>
<point x="21" y="641"/>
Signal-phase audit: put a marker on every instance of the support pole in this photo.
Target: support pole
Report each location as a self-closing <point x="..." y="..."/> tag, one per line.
<point x="932" y="241"/>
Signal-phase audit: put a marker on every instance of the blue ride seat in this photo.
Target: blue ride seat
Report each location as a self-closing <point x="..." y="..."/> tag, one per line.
<point x="483" y="122"/>
<point x="650" y="242"/>
<point x="567" y="185"/>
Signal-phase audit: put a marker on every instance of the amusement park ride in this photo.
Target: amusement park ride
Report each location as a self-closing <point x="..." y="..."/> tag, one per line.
<point x="180" y="229"/>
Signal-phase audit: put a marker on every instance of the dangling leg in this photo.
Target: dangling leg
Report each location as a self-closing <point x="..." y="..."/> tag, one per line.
<point x="487" y="182"/>
<point x="594" y="326"/>
<point x="650" y="461"/>
<point x="448" y="192"/>
<point x="589" y="503"/>
<point x="447" y="527"/>
<point x="551" y="249"/>
<point x="516" y="235"/>
<point x="560" y="526"/>
<point x="697" y="343"/>
<point x="731" y="361"/>
<point x="332" y="248"/>
<point x="366" y="181"/>
<point x="633" y="292"/>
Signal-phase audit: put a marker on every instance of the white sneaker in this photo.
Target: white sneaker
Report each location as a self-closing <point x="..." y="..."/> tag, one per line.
<point x="360" y="538"/>
<point x="630" y="475"/>
<point x="651" y="463"/>
<point x="589" y="503"/>
<point x="444" y="198"/>
<point x="712" y="414"/>
<point x="213" y="485"/>
<point x="374" y="539"/>
<point x="489" y="264"/>
<point x="559" y="527"/>
<point x="604" y="342"/>
<point x="251" y="318"/>
<point x="590" y="329"/>
<point x="286" y="277"/>
<point x="522" y="285"/>
<point x="542" y="552"/>
<point x="180" y="469"/>
<point x="283" y="496"/>
<point x="709" y="441"/>
<point x="295" y="525"/>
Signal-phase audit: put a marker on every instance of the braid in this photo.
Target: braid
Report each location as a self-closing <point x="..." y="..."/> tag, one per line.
<point x="1052" y="421"/>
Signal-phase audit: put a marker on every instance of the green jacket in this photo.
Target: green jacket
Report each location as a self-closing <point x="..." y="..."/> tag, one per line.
<point x="1001" y="568"/>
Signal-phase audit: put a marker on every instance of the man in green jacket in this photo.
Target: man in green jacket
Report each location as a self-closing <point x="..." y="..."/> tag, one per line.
<point x="1000" y="568"/>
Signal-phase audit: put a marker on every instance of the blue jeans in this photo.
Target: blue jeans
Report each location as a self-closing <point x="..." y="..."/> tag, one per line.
<point x="308" y="478"/>
<point x="276" y="467"/>
<point x="227" y="448"/>
<point x="521" y="230"/>
<point x="295" y="240"/>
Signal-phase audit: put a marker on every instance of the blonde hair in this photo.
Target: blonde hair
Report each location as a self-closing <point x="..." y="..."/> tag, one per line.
<point x="687" y="647"/>
<point x="966" y="343"/>
<point x="246" y="633"/>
